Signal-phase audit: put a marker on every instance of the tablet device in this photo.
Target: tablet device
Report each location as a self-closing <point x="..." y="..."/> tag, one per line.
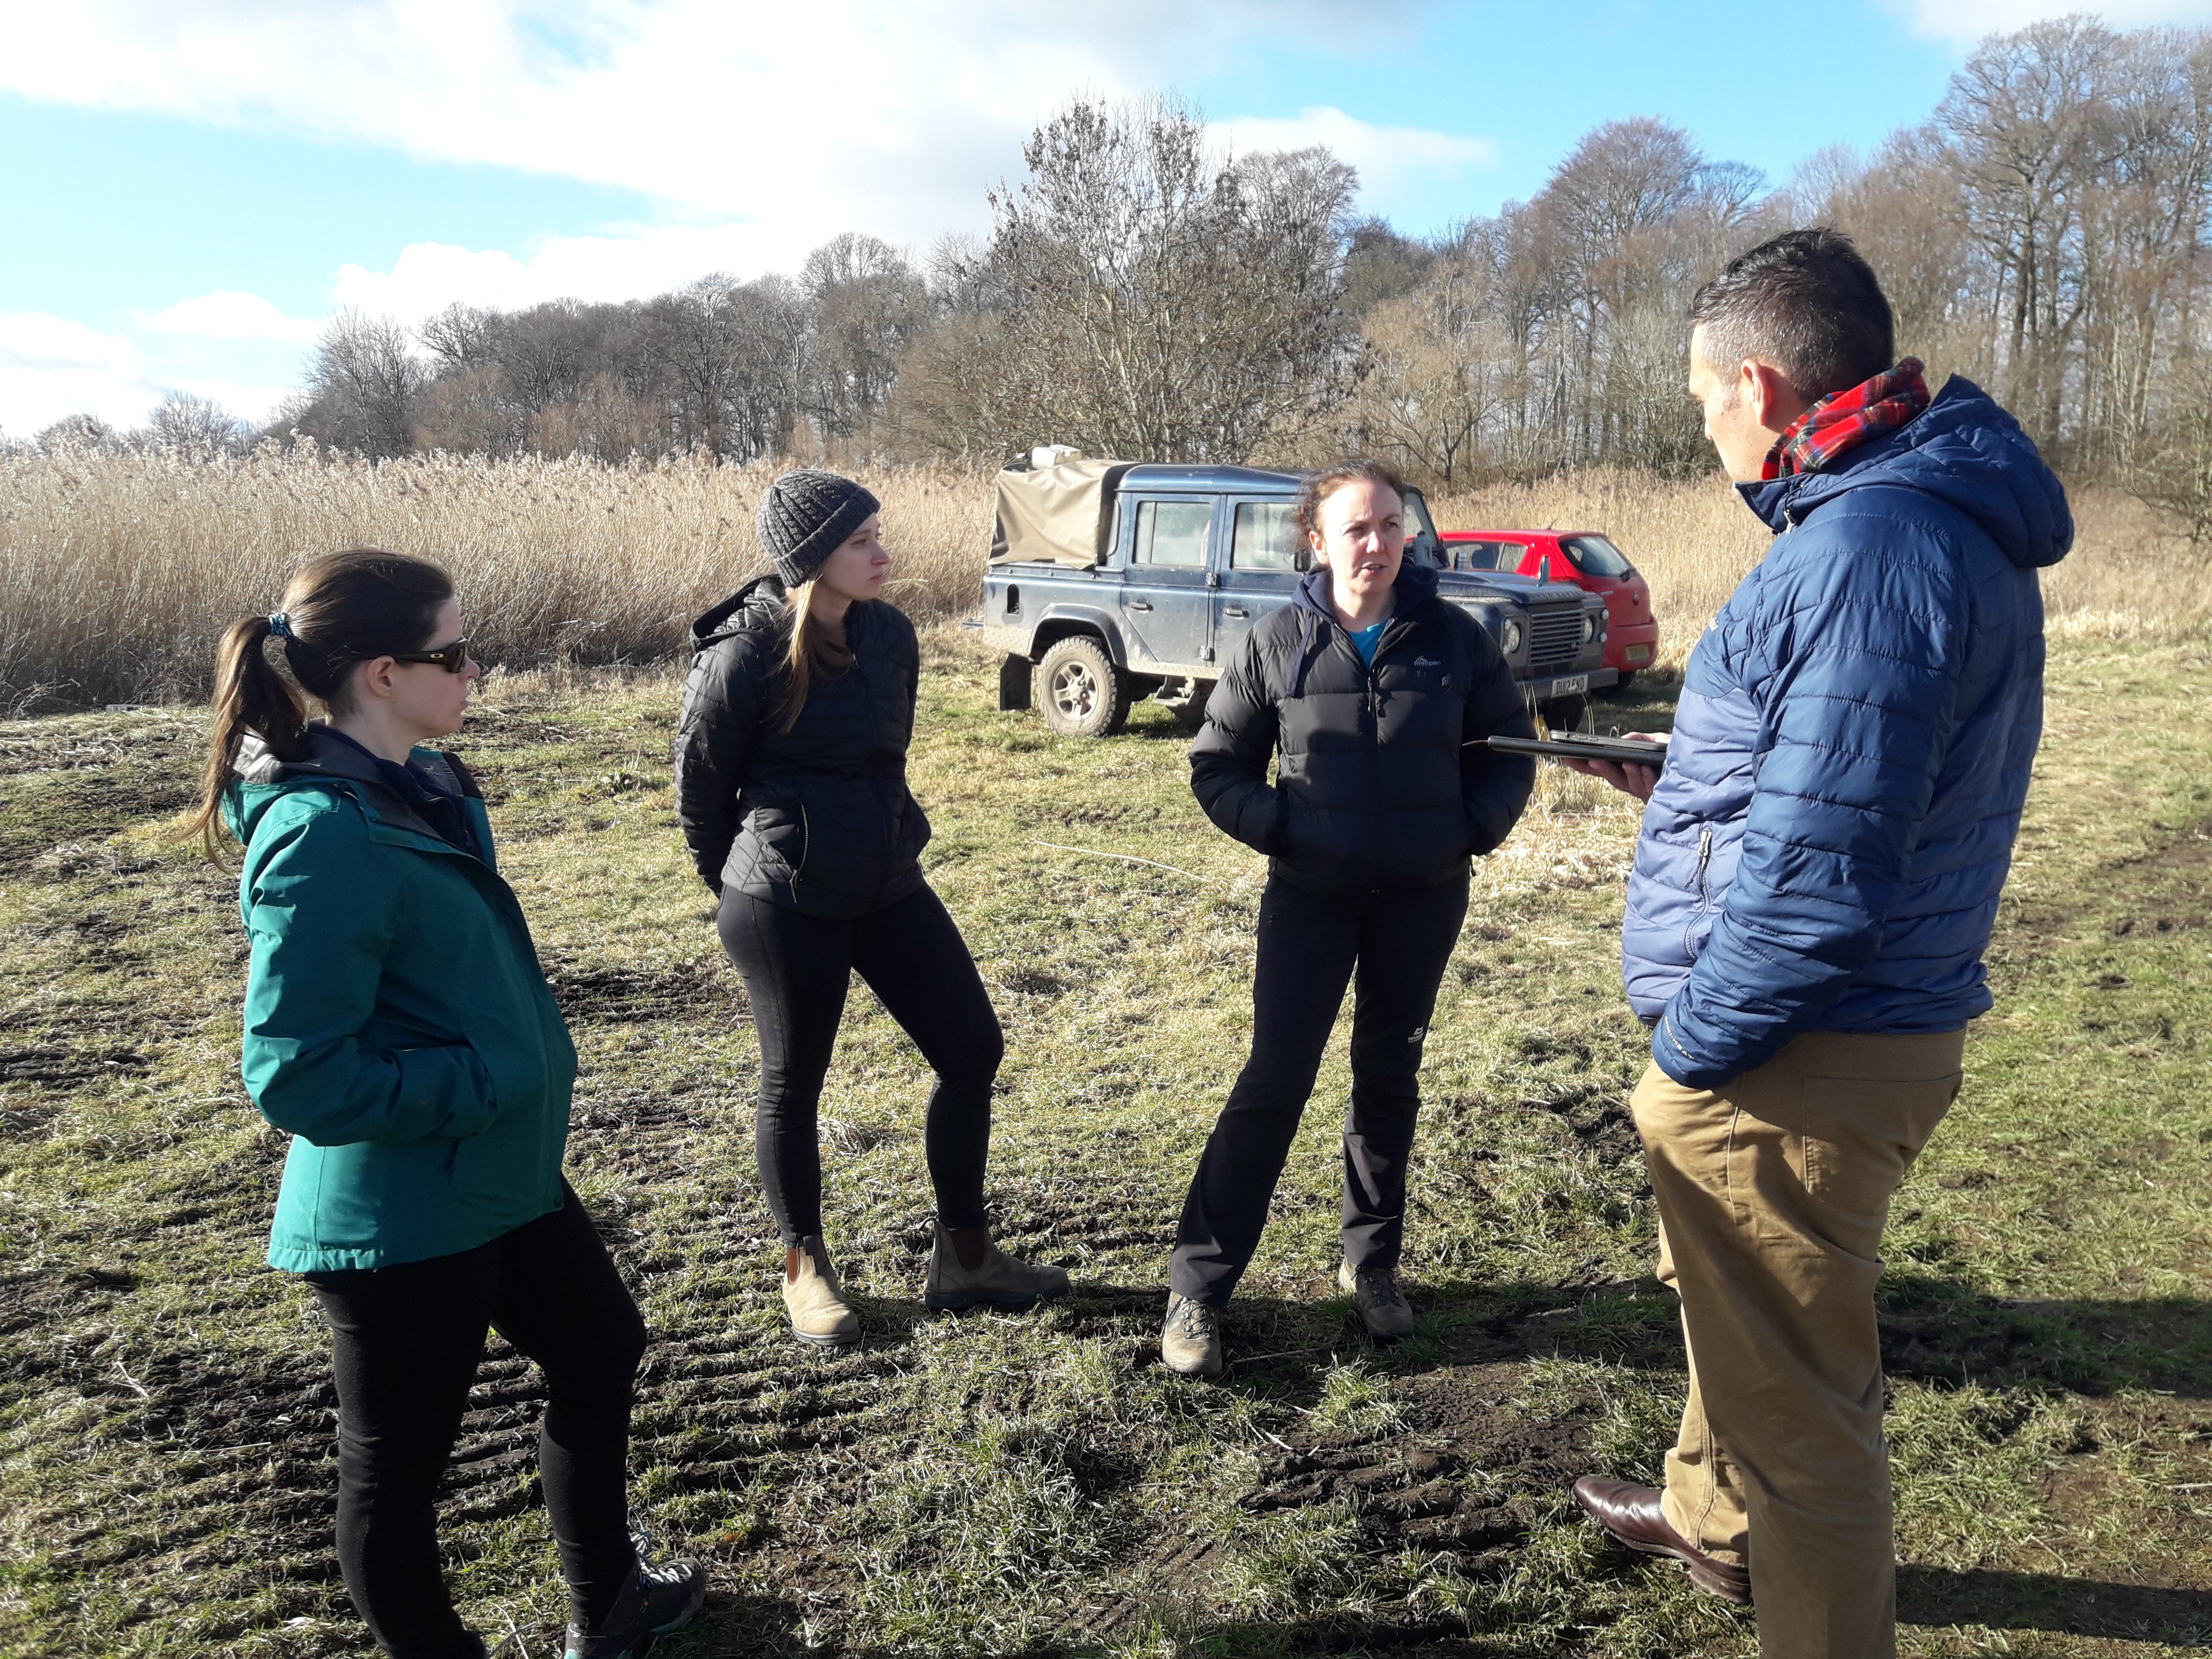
<point x="1576" y="746"/>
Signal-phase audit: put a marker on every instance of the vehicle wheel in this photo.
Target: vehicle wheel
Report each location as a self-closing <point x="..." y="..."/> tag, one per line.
<point x="1080" y="693"/>
<point x="1627" y="678"/>
<point x="1567" y="714"/>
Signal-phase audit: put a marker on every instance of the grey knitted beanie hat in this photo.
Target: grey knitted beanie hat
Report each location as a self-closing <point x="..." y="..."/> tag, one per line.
<point x="807" y="515"/>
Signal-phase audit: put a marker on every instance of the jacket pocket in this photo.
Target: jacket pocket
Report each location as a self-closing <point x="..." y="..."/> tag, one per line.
<point x="370" y="1195"/>
<point x="772" y="841"/>
<point x="1700" y="925"/>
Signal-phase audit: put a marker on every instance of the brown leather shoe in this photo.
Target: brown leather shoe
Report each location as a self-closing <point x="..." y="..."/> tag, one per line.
<point x="1632" y="1517"/>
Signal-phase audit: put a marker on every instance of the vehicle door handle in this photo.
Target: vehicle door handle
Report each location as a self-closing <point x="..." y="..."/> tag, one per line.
<point x="1235" y="611"/>
<point x="1141" y="604"/>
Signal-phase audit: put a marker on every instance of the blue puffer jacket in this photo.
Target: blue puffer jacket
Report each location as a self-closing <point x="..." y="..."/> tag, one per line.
<point x="1826" y="843"/>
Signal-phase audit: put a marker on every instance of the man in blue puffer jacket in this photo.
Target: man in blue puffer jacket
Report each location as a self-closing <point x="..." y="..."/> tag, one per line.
<point x="1813" y="889"/>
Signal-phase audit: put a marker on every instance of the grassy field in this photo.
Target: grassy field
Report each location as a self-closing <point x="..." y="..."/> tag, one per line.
<point x="1036" y="1484"/>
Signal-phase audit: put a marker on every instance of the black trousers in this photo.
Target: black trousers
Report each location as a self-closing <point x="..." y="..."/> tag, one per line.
<point x="796" y="968"/>
<point x="406" y="1341"/>
<point x="1392" y="947"/>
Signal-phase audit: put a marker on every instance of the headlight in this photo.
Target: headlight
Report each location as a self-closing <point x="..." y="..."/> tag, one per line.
<point x="1589" y="626"/>
<point x="1508" y="642"/>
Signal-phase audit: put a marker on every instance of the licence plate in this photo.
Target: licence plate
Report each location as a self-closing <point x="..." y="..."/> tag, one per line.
<point x="1567" y="684"/>
<point x="1640" y="654"/>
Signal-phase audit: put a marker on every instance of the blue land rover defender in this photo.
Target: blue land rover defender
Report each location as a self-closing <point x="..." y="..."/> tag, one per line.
<point x="1110" y="582"/>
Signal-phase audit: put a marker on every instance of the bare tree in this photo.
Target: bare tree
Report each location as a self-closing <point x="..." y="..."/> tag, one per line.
<point x="196" y="428"/>
<point x="2171" y="470"/>
<point x="869" y="306"/>
<point x="81" y="434"/>
<point x="1168" y="303"/>
<point x="365" y="385"/>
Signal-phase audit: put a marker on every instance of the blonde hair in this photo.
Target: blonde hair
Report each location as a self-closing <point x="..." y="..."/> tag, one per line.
<point x="812" y="652"/>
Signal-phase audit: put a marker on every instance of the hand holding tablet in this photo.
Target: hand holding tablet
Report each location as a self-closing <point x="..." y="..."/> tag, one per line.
<point x="1631" y="764"/>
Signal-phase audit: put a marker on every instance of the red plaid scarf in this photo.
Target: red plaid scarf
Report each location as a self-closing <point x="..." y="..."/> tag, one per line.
<point x="1842" y="421"/>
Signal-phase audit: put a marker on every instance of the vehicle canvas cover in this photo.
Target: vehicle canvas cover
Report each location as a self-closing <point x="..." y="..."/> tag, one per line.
<point x="1063" y="513"/>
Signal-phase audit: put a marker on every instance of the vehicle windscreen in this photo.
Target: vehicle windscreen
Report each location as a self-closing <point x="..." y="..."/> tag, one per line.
<point x="1594" y="556"/>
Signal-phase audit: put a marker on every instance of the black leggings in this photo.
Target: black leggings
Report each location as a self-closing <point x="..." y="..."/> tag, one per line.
<point x="796" y="968"/>
<point x="406" y="1341"/>
<point x="1398" y="944"/>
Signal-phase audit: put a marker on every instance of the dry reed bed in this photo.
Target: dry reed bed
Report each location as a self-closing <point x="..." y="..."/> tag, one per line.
<point x="118" y="573"/>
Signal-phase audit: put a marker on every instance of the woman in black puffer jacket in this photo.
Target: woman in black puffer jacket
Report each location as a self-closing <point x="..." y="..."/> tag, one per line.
<point x="791" y="786"/>
<point x="1373" y="695"/>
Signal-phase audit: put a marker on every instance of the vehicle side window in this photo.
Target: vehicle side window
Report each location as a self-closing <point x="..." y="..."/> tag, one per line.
<point x="1172" y="533"/>
<point x="1266" y="538"/>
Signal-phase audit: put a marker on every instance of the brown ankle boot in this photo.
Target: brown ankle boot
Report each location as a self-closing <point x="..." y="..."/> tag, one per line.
<point x="814" y="1300"/>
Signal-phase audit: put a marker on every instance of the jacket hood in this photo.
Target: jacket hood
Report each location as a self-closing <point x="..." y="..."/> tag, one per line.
<point x="1416" y="582"/>
<point x="757" y="604"/>
<point x="1964" y="450"/>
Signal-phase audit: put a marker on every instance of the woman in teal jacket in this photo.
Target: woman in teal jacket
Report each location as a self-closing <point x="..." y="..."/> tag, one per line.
<point x="397" y="1024"/>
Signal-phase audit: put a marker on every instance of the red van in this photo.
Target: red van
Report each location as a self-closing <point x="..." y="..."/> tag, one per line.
<point x="1582" y="557"/>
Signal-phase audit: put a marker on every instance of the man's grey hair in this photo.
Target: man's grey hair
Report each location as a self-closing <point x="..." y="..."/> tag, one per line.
<point x="1804" y="301"/>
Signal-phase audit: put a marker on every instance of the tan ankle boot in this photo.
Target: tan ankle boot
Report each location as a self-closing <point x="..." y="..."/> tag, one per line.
<point x="997" y="1281"/>
<point x="816" y="1302"/>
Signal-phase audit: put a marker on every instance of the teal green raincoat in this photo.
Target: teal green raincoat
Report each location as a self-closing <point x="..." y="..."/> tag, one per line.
<point x="398" y="1023"/>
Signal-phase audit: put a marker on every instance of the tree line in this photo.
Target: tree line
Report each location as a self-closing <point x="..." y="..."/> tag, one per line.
<point x="1141" y="294"/>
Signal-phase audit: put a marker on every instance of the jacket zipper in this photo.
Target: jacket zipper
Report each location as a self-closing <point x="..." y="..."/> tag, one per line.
<point x="1705" y="858"/>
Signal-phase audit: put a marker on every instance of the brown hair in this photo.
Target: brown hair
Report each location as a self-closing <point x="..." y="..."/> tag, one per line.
<point x="1357" y="469"/>
<point x="1807" y="303"/>
<point x="812" y="652"/>
<point x="340" y="609"/>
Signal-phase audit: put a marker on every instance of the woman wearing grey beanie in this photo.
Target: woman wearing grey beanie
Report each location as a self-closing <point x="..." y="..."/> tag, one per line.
<point x="791" y="786"/>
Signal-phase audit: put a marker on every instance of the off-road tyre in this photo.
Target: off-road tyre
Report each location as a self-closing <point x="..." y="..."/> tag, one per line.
<point x="1080" y="691"/>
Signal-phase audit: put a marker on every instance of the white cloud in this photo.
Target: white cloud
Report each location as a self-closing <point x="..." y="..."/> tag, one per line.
<point x="227" y="315"/>
<point x="799" y="120"/>
<point x="1966" y="22"/>
<point x="762" y="129"/>
<point x="1392" y="161"/>
<point x="50" y="367"/>
<point x="821" y="116"/>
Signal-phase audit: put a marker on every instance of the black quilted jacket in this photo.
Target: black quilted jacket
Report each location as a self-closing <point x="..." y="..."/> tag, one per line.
<point x="1376" y="789"/>
<point x="817" y="819"/>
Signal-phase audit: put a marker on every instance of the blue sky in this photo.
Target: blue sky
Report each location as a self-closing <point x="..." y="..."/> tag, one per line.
<point x="192" y="186"/>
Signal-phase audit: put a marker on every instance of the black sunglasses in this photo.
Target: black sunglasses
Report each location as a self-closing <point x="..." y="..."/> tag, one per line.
<point x="451" y="658"/>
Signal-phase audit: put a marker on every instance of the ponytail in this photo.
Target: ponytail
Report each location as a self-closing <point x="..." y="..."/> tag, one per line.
<point x="250" y="695"/>
<point x="341" y="609"/>
<point x="812" y="652"/>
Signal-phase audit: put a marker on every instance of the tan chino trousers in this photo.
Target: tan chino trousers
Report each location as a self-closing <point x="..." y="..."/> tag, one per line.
<point x="1773" y="1192"/>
